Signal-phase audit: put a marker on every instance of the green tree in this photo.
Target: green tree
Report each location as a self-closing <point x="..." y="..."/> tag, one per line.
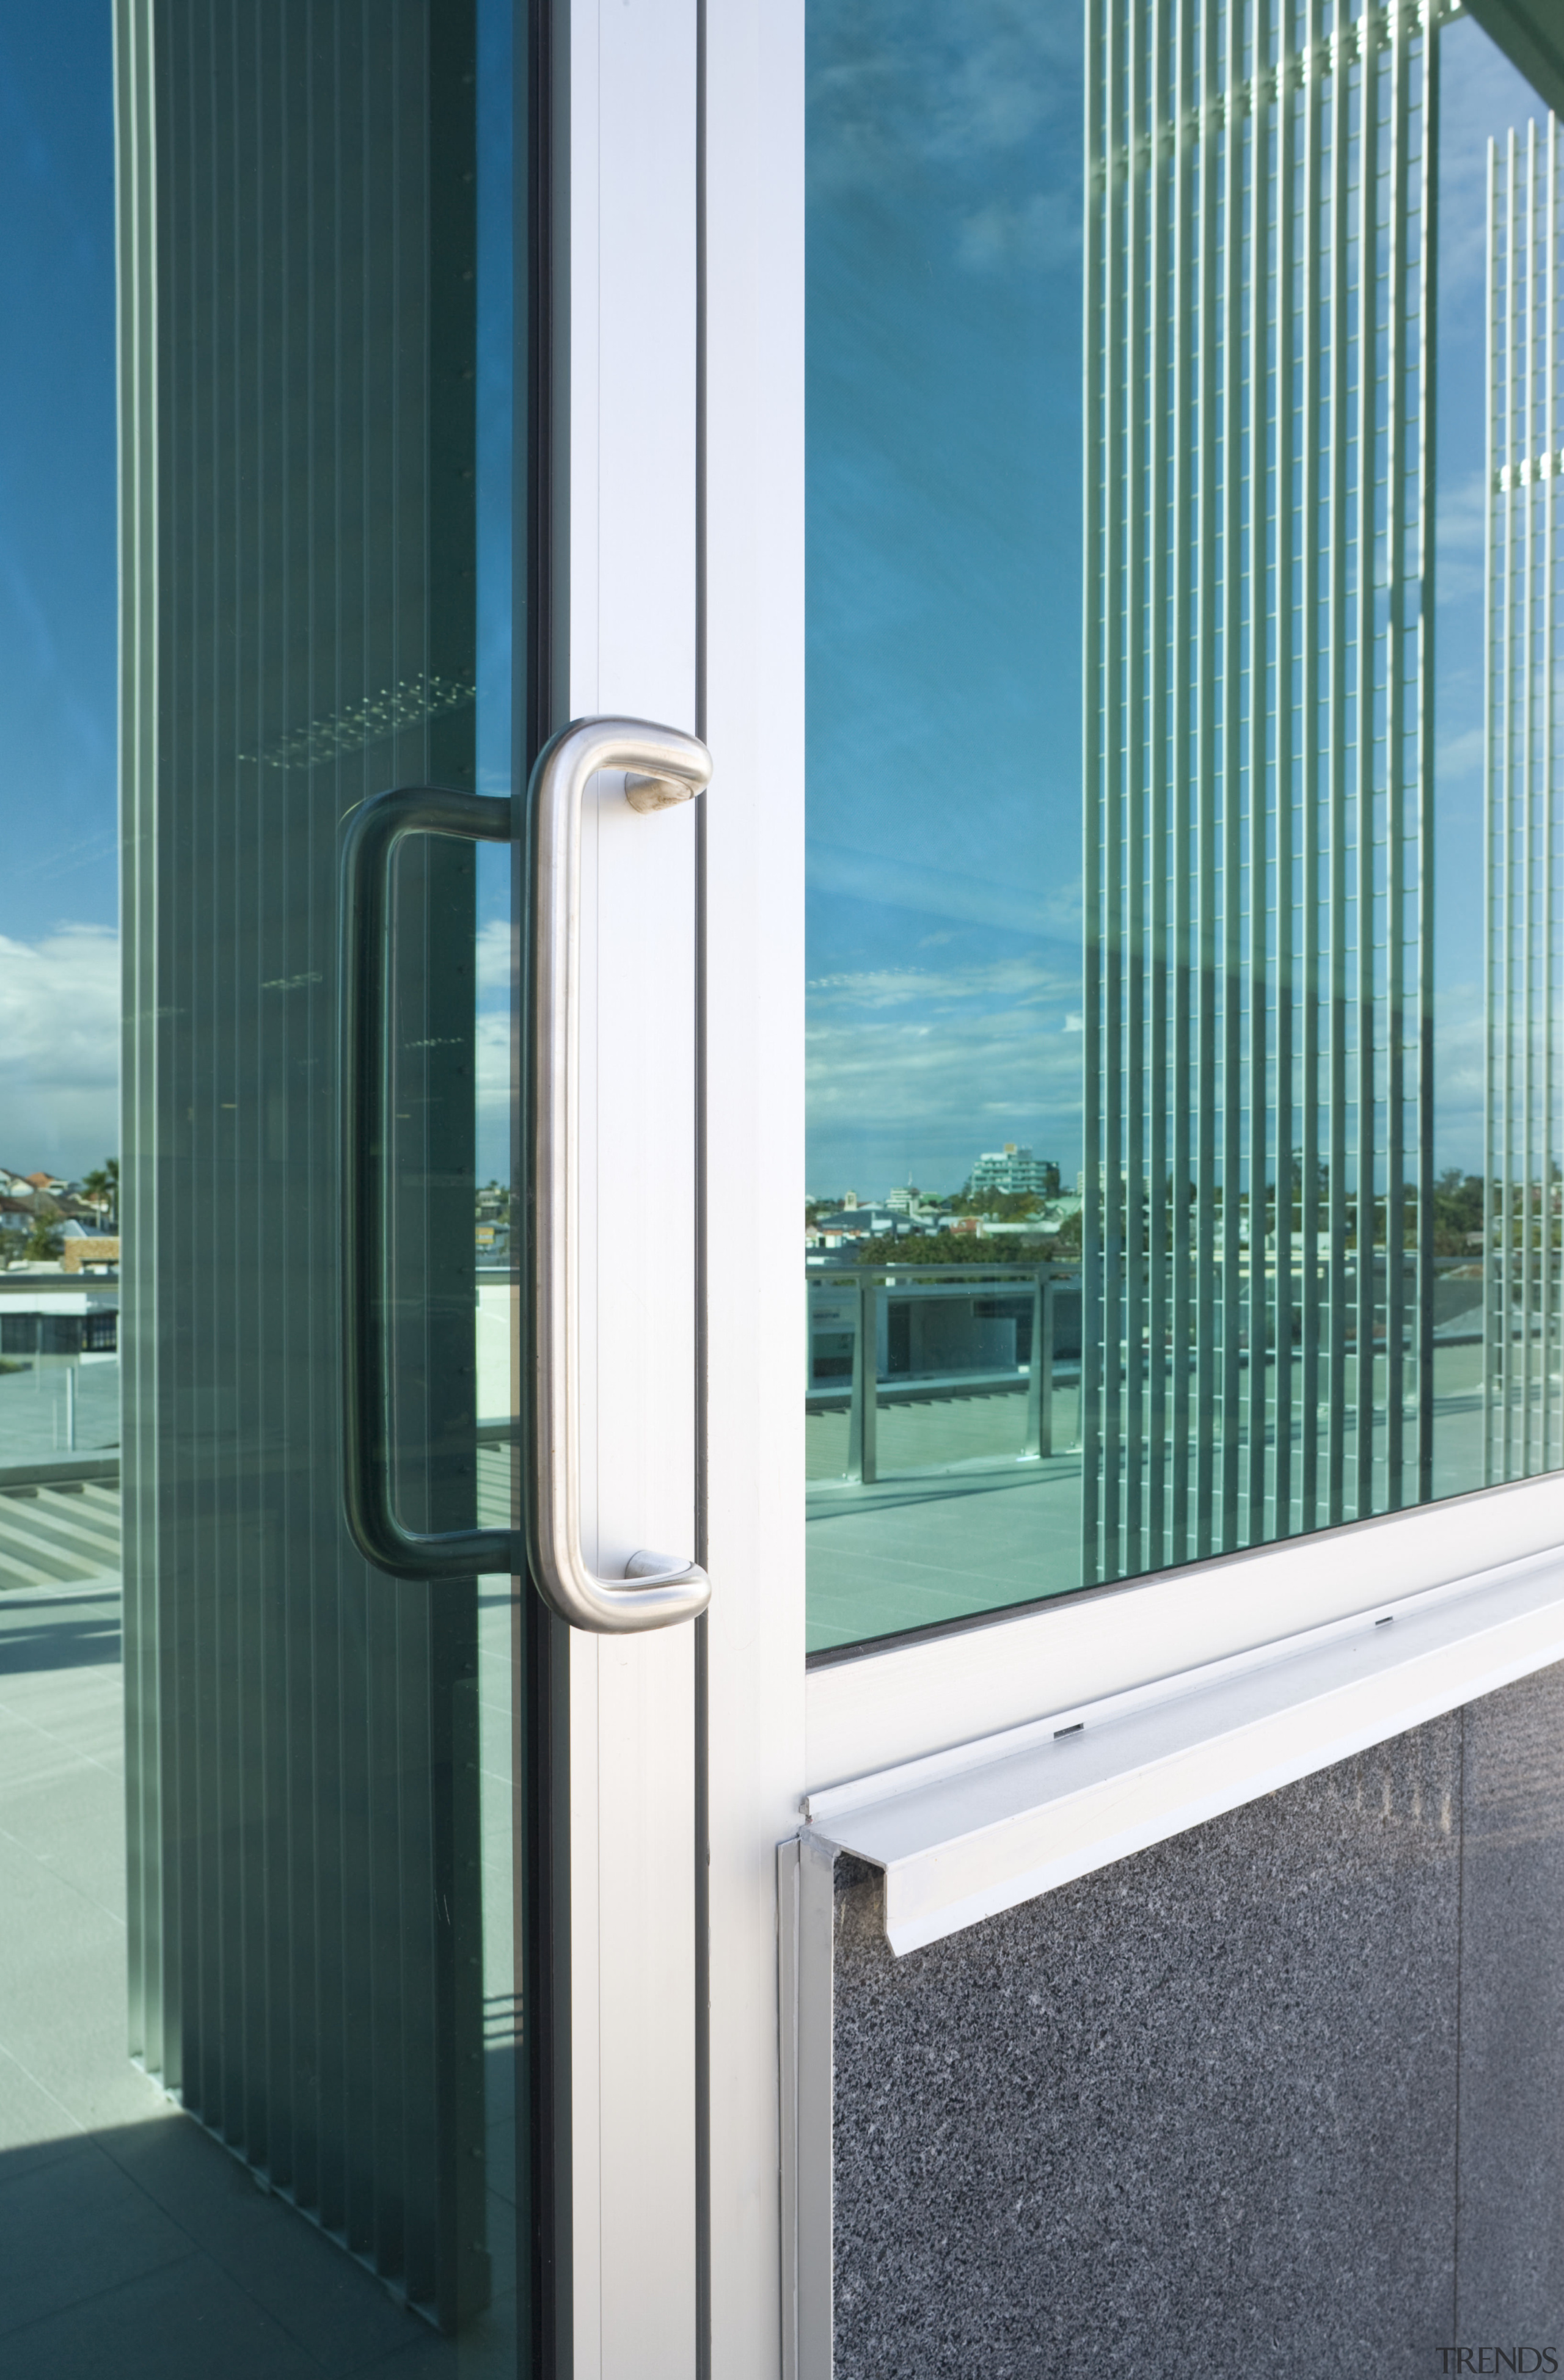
<point x="954" y="1247"/>
<point x="1070" y="1233"/>
<point x="102" y="1185"/>
<point x="1001" y="1206"/>
<point x="1457" y="1209"/>
<point x="44" y="1241"/>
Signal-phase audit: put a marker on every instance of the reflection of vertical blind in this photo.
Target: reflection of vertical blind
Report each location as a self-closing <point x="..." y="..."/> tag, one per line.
<point x="298" y="356"/>
<point x="1257" y="1052"/>
<point x="1524" y="1408"/>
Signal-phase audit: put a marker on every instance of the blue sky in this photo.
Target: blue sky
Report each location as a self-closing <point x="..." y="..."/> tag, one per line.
<point x="1481" y="96"/>
<point x="945" y="541"/>
<point x="58" y="944"/>
<point x="944" y="593"/>
<point x="57" y="593"/>
<point x="58" y="604"/>
<point x="944" y="393"/>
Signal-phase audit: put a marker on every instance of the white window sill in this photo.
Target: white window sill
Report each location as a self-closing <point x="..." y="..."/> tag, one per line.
<point x="899" y="1700"/>
<point x="964" y="1832"/>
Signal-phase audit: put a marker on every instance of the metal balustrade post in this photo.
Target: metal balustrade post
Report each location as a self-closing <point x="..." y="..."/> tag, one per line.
<point x="1038" y="1366"/>
<point x="864" y="1411"/>
<point x="1039" y="1376"/>
<point x="1045" y="1416"/>
<point x="855" y="1398"/>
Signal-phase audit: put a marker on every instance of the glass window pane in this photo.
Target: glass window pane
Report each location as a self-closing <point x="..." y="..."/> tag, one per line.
<point x="257" y="1801"/>
<point x="1184" y="906"/>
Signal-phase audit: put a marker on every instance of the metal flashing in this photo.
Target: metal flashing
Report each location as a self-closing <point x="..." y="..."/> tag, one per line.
<point x="968" y="1832"/>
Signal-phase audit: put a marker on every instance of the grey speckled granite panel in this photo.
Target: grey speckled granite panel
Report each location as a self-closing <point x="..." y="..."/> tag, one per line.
<point x="1512" y="2262"/>
<point x="1197" y="2114"/>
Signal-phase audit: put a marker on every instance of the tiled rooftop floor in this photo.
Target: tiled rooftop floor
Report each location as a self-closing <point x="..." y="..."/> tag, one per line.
<point x="132" y="2247"/>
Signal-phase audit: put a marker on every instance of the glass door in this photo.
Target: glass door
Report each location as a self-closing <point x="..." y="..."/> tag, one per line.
<point x="263" y="2038"/>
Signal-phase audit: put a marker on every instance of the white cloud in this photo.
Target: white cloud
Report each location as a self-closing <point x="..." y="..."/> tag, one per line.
<point x="1044" y="229"/>
<point x="891" y="83"/>
<point x="59" y="1050"/>
<point x="1017" y="982"/>
<point x="981" y="101"/>
<point x="911" y="1064"/>
<point x="1015" y="900"/>
<point x="1461" y="756"/>
<point x="910" y="1067"/>
<point x="495" y="960"/>
<point x="1462" y="542"/>
<point x="496" y="965"/>
<point x="494" y="1073"/>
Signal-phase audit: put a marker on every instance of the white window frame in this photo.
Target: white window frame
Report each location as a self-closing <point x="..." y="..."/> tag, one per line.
<point x="816" y="1761"/>
<point x="873" y="1711"/>
<point x="879" y="1709"/>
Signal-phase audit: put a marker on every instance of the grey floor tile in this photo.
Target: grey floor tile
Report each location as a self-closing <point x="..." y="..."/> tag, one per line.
<point x="32" y="1410"/>
<point x="72" y="2228"/>
<point x="79" y="1710"/>
<point x="326" y="2303"/>
<point x="131" y="2244"/>
<point x="955" y="1525"/>
<point x="30" y="2115"/>
<point x="69" y="1822"/>
<point x="486" y="2351"/>
<point x="60" y="1631"/>
<point x="187" y="2321"/>
<point x="34" y="2128"/>
<point x="62" y="1999"/>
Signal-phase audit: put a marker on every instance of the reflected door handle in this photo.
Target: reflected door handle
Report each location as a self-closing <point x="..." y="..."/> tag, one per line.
<point x="364" y="1072"/>
<point x="663" y="767"/>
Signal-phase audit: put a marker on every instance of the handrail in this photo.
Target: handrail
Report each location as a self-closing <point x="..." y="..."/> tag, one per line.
<point x="664" y="767"/>
<point x="370" y="843"/>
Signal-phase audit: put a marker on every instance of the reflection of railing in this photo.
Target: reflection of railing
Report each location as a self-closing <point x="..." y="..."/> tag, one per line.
<point x="868" y="1283"/>
<point x="53" y="1473"/>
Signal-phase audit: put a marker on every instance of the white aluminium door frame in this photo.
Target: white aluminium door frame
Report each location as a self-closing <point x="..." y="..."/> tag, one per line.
<point x="648" y="2082"/>
<point x="685" y="353"/>
<point x="628" y="318"/>
<point x="753" y="452"/>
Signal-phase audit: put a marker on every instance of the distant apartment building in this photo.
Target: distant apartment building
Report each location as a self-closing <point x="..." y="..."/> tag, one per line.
<point x="1011" y="1169"/>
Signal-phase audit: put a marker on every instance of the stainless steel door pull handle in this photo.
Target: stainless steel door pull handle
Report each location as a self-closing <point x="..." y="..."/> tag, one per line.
<point x="663" y="767"/>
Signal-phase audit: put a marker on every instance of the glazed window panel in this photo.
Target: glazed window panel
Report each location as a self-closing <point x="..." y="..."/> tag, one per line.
<point x="1184" y="1164"/>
